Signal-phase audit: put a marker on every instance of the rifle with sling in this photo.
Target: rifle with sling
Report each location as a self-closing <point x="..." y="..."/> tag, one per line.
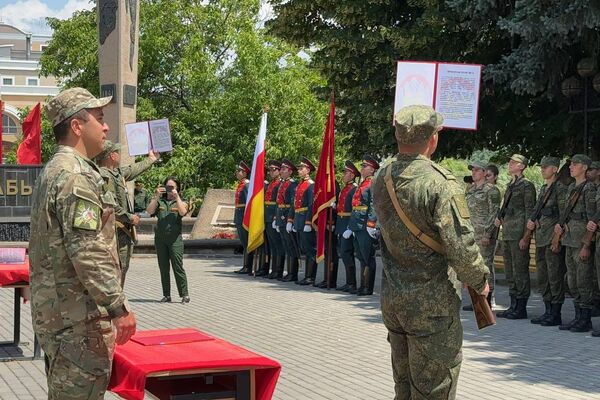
<point x="502" y="212"/>
<point x="537" y="212"/>
<point x="484" y="315"/>
<point x="565" y="217"/>
<point x="588" y="238"/>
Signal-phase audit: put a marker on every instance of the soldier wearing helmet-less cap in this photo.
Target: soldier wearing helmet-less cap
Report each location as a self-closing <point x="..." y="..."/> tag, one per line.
<point x="79" y="310"/>
<point x="421" y="284"/>
<point x="241" y="195"/>
<point x="285" y="198"/>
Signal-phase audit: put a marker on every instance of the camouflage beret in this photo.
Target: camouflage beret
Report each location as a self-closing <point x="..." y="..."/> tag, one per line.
<point x="595" y="165"/>
<point x="70" y="101"/>
<point x="550" y="162"/>
<point x="415" y="124"/>
<point x="519" y="158"/>
<point x="109" y="147"/>
<point x="477" y="164"/>
<point x="581" y="159"/>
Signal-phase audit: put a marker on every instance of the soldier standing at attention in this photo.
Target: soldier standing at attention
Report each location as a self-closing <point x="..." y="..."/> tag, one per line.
<point x="285" y="197"/>
<point x="550" y="270"/>
<point x="344" y="211"/>
<point x="521" y="202"/>
<point x="593" y="175"/>
<point x="140" y="198"/>
<point x="363" y="226"/>
<point x="592" y="226"/>
<point x="428" y="248"/>
<point x="78" y="306"/>
<point x="117" y="177"/>
<point x="241" y="195"/>
<point x="273" y="237"/>
<point x="483" y="199"/>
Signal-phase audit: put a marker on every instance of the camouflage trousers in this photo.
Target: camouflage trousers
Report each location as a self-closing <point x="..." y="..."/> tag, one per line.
<point x="516" y="269"/>
<point x="580" y="275"/>
<point x="487" y="252"/>
<point x="550" y="272"/>
<point x="78" y="364"/>
<point x="426" y="352"/>
<point x="125" y="251"/>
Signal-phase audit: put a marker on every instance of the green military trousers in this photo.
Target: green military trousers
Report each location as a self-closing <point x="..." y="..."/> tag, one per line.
<point x="125" y="251"/>
<point x="550" y="275"/>
<point x="487" y="252"/>
<point x="170" y="254"/>
<point x="580" y="275"/>
<point x="79" y="361"/>
<point x="516" y="268"/>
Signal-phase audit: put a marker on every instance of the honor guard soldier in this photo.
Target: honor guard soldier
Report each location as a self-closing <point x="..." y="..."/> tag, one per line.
<point x="331" y="260"/>
<point x="363" y="226"/>
<point x="300" y="220"/>
<point x="344" y="211"/>
<point x="116" y="178"/>
<point x="241" y="196"/>
<point x="273" y="237"/>
<point x="427" y="249"/>
<point x="285" y="197"/>
<point x="518" y="204"/>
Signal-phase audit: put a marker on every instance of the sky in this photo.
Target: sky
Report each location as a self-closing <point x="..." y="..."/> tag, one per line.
<point x="29" y="15"/>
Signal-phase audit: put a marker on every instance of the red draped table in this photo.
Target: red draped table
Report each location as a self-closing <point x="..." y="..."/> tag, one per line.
<point x="178" y="363"/>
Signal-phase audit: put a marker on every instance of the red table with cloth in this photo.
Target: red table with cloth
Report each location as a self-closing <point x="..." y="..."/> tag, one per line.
<point x="176" y="350"/>
<point x="12" y="274"/>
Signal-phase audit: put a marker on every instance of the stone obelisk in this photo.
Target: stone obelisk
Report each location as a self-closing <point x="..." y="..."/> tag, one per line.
<point x="118" y="34"/>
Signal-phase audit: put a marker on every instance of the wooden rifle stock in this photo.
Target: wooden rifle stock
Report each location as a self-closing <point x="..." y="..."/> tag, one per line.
<point x="483" y="312"/>
<point x="555" y="244"/>
<point x="527" y="235"/>
<point x="588" y="238"/>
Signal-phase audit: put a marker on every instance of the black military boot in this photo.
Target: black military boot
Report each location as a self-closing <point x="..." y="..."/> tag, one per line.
<point x="355" y="290"/>
<point x="520" y="311"/>
<point x="547" y="314"/>
<point x="292" y="275"/>
<point x="311" y="270"/>
<point x="555" y="318"/>
<point x="250" y="264"/>
<point x="247" y="264"/>
<point x="289" y="268"/>
<point x="513" y="303"/>
<point x="369" y="283"/>
<point x="263" y="271"/>
<point x="275" y="267"/>
<point x="584" y="323"/>
<point x="350" y="279"/>
<point x="568" y="325"/>
<point x="596" y="333"/>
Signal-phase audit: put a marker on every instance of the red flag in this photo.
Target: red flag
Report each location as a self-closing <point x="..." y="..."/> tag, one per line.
<point x="30" y="149"/>
<point x="1" y="130"/>
<point x="325" y="183"/>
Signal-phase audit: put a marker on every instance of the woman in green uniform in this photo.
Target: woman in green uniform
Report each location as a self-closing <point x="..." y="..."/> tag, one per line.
<point x="169" y="208"/>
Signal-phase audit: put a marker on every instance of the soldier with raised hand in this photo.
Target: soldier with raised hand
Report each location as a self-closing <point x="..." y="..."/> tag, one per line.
<point x="521" y="203"/>
<point x="550" y="270"/>
<point x="285" y="197"/>
<point x="428" y="248"/>
<point x="241" y="196"/>
<point x="581" y="205"/>
<point x="483" y="199"/>
<point x="344" y="211"/>
<point x="273" y="237"/>
<point x="78" y="306"/>
<point x="117" y="177"/>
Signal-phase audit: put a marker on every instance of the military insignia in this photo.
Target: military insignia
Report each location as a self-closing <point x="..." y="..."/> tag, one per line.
<point x="461" y="206"/>
<point x="87" y="215"/>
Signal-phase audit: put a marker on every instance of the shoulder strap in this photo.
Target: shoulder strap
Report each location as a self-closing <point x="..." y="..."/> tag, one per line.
<point x="419" y="234"/>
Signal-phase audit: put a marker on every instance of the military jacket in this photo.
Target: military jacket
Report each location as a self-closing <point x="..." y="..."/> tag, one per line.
<point x="75" y="274"/>
<point x="140" y="200"/>
<point x="170" y="223"/>
<point x="549" y="214"/>
<point x="241" y="194"/>
<point x="271" y="201"/>
<point x="302" y="207"/>
<point x="484" y="203"/>
<point x="285" y="196"/>
<point x="344" y="208"/>
<point x="583" y="212"/>
<point x="363" y="213"/>
<point x="519" y="209"/>
<point x="420" y="280"/>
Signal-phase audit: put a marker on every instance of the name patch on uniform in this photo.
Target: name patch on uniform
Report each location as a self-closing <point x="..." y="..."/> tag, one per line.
<point x="87" y="215"/>
<point x="461" y="206"/>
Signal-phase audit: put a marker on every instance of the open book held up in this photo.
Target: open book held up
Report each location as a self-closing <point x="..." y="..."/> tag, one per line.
<point x="148" y="135"/>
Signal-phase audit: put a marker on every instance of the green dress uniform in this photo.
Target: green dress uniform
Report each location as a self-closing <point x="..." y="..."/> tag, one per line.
<point x="140" y="200"/>
<point x="300" y="216"/>
<point x="420" y="296"/>
<point x="346" y="246"/>
<point x="274" y="238"/>
<point x="169" y="246"/>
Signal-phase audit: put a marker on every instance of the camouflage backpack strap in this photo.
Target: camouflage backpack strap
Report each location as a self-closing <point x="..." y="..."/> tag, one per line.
<point x="419" y="234"/>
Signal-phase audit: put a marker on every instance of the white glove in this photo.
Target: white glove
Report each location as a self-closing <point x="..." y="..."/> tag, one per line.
<point x="347" y="234"/>
<point x="274" y="225"/>
<point x="307" y="228"/>
<point x="333" y="205"/>
<point x="373" y="232"/>
<point x="288" y="227"/>
<point x="294" y="229"/>
<point x="331" y="228"/>
<point x="277" y="229"/>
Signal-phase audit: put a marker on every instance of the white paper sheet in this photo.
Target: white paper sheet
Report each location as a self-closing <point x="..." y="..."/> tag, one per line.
<point x="160" y="132"/>
<point x="457" y="95"/>
<point x="138" y="138"/>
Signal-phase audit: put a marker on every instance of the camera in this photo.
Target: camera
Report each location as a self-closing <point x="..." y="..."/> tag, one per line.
<point x="169" y="188"/>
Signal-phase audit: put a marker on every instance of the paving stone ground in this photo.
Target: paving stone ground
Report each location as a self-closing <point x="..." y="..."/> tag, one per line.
<point x="332" y="345"/>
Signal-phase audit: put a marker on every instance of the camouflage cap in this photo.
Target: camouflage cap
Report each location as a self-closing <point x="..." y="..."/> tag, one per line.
<point x="595" y="165"/>
<point x="581" y="159"/>
<point x="415" y="124"/>
<point x="109" y="147"/>
<point x="519" y="158"/>
<point x="550" y="162"/>
<point x="71" y="101"/>
<point x="477" y="164"/>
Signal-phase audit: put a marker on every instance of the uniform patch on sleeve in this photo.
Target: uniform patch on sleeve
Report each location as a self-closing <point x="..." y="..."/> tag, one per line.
<point x="87" y="215"/>
<point x="461" y="206"/>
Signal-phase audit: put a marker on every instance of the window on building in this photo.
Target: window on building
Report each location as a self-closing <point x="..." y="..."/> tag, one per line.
<point x="33" y="81"/>
<point x="43" y="47"/>
<point x="9" y="126"/>
<point x="8" y="80"/>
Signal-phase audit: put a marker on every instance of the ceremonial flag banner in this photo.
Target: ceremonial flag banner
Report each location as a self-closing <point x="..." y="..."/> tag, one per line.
<point x="254" y="215"/>
<point x="30" y="149"/>
<point x="325" y="183"/>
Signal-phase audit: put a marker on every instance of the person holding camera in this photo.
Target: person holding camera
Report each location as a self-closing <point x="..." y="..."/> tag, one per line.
<point x="170" y="209"/>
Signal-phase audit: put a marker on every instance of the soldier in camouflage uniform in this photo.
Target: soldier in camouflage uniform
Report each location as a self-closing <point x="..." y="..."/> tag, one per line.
<point x="77" y="298"/>
<point x="483" y="199"/>
<point x="140" y="198"/>
<point x="116" y="178"/>
<point x="579" y="271"/>
<point x="592" y="226"/>
<point x="516" y="251"/>
<point x="549" y="268"/>
<point x="593" y="175"/>
<point x="420" y="295"/>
